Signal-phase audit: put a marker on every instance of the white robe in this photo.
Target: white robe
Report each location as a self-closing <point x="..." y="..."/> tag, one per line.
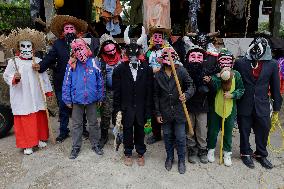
<point x="26" y="96"/>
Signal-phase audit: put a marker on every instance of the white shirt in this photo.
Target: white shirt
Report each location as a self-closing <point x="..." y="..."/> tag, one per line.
<point x="26" y="96"/>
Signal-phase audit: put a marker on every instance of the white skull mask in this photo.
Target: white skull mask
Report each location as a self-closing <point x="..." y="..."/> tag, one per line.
<point x="26" y="49"/>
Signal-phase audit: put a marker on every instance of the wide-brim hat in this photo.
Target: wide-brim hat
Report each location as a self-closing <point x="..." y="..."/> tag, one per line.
<point x="58" y="22"/>
<point x="155" y="29"/>
<point x="36" y="37"/>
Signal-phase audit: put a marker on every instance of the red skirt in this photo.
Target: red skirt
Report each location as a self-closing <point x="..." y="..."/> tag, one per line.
<point x="30" y="129"/>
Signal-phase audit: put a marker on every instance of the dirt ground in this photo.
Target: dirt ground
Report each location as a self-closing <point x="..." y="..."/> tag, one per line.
<point x="51" y="168"/>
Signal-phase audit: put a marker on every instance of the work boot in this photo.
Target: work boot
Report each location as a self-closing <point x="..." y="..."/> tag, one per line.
<point x="98" y="150"/>
<point x="169" y="164"/>
<point x="181" y="166"/>
<point x="153" y="139"/>
<point x="28" y="151"/>
<point x="74" y="153"/>
<point x="227" y="158"/>
<point x="104" y="137"/>
<point x="202" y="154"/>
<point x="192" y="155"/>
<point x="211" y="155"/>
<point x="128" y="161"/>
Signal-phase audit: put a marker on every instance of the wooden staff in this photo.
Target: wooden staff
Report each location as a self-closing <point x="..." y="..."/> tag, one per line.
<point x="191" y="132"/>
<point x="45" y="104"/>
<point x="222" y="132"/>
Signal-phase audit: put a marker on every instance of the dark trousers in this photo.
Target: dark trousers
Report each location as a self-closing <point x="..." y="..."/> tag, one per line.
<point x="64" y="113"/>
<point x="174" y="133"/>
<point x="261" y="128"/>
<point x="156" y="128"/>
<point x="138" y="141"/>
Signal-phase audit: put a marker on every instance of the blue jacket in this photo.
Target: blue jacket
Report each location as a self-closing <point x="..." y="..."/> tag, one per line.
<point x="84" y="85"/>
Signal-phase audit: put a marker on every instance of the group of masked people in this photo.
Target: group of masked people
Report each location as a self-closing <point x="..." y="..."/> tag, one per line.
<point x="141" y="86"/>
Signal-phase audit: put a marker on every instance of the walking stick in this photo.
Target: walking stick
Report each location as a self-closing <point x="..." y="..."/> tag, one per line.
<point x="222" y="132"/>
<point x="191" y="132"/>
<point x="45" y="104"/>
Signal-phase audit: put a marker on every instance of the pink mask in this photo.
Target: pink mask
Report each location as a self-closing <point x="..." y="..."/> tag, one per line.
<point x="165" y="56"/>
<point x="195" y="57"/>
<point x="157" y="38"/>
<point x="110" y="49"/>
<point x="69" y="28"/>
<point x="226" y="61"/>
<point x="81" y="50"/>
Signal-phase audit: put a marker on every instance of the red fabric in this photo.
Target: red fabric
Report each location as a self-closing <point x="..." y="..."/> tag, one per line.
<point x="30" y="129"/>
<point x="281" y="84"/>
<point x="14" y="82"/>
<point x="111" y="61"/>
<point x="48" y="94"/>
<point x="256" y="72"/>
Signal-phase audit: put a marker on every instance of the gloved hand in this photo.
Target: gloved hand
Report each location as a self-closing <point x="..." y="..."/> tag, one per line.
<point x="148" y="127"/>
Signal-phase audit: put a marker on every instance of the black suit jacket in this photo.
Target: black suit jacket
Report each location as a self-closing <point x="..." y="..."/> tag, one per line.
<point x="256" y="91"/>
<point x="132" y="98"/>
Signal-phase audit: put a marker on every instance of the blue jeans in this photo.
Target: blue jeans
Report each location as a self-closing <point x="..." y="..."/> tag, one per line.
<point x="64" y="112"/>
<point x="174" y="133"/>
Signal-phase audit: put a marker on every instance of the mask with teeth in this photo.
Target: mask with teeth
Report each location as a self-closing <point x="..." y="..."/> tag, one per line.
<point x="26" y="49"/>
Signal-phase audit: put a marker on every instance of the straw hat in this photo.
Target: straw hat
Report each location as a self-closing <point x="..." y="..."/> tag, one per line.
<point x="154" y="29"/>
<point x="58" y="22"/>
<point x="12" y="40"/>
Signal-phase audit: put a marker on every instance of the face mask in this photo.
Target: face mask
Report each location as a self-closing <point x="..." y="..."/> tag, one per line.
<point x="69" y="28"/>
<point x="195" y="57"/>
<point x="225" y="61"/>
<point x="257" y="48"/>
<point x="158" y="39"/>
<point x="110" y="49"/>
<point x="26" y="49"/>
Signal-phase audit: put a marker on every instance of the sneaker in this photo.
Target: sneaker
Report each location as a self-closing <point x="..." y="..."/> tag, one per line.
<point x="192" y="155"/>
<point x="61" y="138"/>
<point x="227" y="158"/>
<point x="153" y="139"/>
<point x="74" y="153"/>
<point x="28" y="151"/>
<point x="169" y="164"/>
<point x="181" y="167"/>
<point x="98" y="150"/>
<point x="202" y="154"/>
<point x="128" y="161"/>
<point x="211" y="155"/>
<point x="141" y="160"/>
<point x="42" y="144"/>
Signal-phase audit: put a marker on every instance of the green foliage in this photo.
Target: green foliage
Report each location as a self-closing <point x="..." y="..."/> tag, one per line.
<point x="264" y="26"/>
<point x="14" y="15"/>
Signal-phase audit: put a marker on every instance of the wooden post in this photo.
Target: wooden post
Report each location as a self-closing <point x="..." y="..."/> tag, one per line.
<point x="190" y="128"/>
<point x="213" y="16"/>
<point x="275" y="18"/>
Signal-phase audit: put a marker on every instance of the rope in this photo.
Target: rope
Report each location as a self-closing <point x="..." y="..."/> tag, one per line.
<point x="248" y="4"/>
<point x="275" y="123"/>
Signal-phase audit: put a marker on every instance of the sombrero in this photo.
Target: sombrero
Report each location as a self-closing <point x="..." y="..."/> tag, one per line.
<point x="58" y="22"/>
<point x="154" y="29"/>
<point x="12" y="40"/>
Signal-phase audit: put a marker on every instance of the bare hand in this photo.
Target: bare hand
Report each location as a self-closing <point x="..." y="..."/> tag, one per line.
<point x="228" y="95"/>
<point x="17" y="76"/>
<point x="99" y="104"/>
<point x="207" y="79"/>
<point x="36" y="67"/>
<point x="159" y="119"/>
<point x="182" y="98"/>
<point x="69" y="105"/>
<point x="72" y="60"/>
